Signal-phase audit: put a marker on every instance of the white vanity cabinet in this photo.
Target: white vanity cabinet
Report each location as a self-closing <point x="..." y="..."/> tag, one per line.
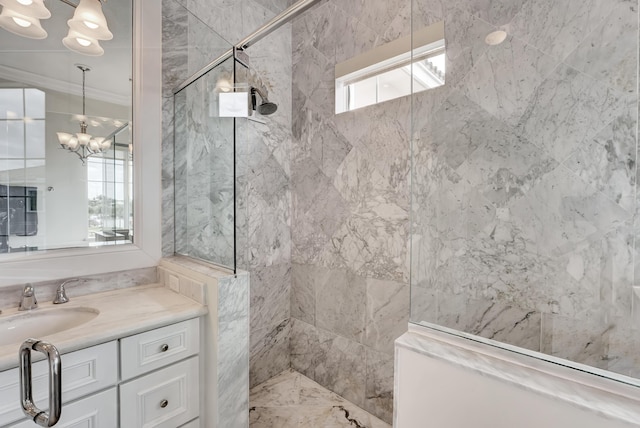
<point x="147" y="380"/>
<point x="169" y="396"/>
<point x="84" y="372"/>
<point x="97" y="411"/>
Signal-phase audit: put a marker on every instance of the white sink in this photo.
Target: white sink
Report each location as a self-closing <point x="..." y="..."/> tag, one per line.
<point x="41" y="322"/>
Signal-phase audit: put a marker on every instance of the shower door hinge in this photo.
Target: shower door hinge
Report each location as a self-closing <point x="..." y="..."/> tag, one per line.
<point x="241" y="56"/>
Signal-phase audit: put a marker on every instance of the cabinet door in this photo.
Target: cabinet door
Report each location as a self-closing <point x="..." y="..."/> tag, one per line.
<point x="83" y="372"/>
<point x="167" y="398"/>
<point x="97" y="411"/>
<point x="157" y="348"/>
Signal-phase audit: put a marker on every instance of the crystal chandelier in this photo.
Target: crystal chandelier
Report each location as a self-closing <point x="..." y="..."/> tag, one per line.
<point x="83" y="144"/>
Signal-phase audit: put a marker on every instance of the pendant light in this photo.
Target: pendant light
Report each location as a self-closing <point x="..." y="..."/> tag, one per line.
<point x="82" y="143"/>
<point x="83" y="44"/>
<point x="86" y="28"/>
<point x="89" y="21"/>
<point x="22" y="17"/>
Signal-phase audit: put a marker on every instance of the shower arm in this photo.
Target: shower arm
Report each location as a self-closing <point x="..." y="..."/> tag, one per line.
<point x="259" y="92"/>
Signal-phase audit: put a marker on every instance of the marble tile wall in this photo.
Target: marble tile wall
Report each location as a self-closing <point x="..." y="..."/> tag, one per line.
<point x="263" y="163"/>
<point x="226" y="342"/>
<point x="525" y="178"/>
<point x="264" y="183"/>
<point x="350" y="209"/>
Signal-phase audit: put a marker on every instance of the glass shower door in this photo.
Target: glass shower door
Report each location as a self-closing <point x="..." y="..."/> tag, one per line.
<point x="524" y="200"/>
<point x="204" y="170"/>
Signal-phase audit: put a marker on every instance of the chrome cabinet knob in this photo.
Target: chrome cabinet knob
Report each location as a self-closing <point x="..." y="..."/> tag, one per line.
<point x="164" y="403"/>
<point x="164" y="348"/>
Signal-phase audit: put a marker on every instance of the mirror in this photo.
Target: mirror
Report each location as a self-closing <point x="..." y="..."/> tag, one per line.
<point x="79" y="194"/>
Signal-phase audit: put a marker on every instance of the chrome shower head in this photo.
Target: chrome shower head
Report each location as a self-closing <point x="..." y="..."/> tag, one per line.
<point x="266" y="108"/>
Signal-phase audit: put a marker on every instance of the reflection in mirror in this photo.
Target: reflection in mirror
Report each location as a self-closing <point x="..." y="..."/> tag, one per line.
<point x="65" y="127"/>
<point x="392" y="70"/>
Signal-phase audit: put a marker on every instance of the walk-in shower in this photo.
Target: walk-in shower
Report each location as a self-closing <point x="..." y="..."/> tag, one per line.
<point x="473" y="172"/>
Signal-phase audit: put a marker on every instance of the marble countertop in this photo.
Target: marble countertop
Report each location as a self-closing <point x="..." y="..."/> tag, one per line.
<point x="121" y="313"/>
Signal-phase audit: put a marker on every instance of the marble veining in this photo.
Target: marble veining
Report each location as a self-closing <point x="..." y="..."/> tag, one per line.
<point x="226" y="333"/>
<point x="524" y="179"/>
<point x="291" y="400"/>
<point x="620" y="403"/>
<point x="46" y="290"/>
<point x="150" y="305"/>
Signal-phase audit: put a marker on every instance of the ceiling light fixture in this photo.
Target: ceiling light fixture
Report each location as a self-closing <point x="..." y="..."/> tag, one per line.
<point x="23" y="19"/>
<point x="89" y="20"/>
<point x="83" y="144"/>
<point x="86" y="28"/>
<point x="495" y="38"/>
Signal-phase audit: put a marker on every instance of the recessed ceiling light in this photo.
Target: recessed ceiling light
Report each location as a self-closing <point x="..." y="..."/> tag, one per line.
<point x="496" y="37"/>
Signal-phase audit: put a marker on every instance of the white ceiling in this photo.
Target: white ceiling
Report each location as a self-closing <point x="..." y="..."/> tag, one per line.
<point x="48" y="64"/>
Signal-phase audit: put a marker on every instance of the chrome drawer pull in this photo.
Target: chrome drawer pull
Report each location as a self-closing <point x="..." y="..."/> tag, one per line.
<point x="164" y="348"/>
<point x="164" y="403"/>
<point x="55" y="382"/>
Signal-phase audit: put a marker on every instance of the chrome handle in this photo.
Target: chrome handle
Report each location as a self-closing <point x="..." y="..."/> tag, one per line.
<point x="164" y="403"/>
<point x="164" y="348"/>
<point x="55" y="382"/>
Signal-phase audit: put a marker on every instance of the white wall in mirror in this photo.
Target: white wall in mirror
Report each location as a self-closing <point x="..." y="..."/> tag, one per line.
<point x="75" y="205"/>
<point x="19" y="268"/>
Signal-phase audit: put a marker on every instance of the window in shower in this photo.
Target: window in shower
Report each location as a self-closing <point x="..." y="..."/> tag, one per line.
<point x="392" y="70"/>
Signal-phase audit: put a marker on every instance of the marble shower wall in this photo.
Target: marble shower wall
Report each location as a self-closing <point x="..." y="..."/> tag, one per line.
<point x="263" y="159"/>
<point x="188" y="44"/>
<point x="525" y="195"/>
<point x="350" y="208"/>
<point x="204" y="172"/>
<point x="264" y="205"/>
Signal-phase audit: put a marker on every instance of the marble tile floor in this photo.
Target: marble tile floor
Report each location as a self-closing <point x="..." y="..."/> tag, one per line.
<point x="292" y="400"/>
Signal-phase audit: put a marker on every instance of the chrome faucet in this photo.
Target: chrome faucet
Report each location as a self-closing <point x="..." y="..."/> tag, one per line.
<point x="61" y="293"/>
<point x="28" y="300"/>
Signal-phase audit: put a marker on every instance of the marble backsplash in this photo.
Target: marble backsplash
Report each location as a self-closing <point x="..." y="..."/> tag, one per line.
<point x="46" y="290"/>
<point x="525" y="179"/>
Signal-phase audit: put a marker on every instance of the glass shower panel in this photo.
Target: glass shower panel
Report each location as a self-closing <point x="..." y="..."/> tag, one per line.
<point x="524" y="202"/>
<point x="204" y="170"/>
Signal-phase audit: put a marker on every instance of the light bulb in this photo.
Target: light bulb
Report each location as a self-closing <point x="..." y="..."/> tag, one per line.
<point x="21" y="22"/>
<point x="83" y="42"/>
<point x="25" y="2"/>
<point x="73" y="143"/>
<point x="91" y="25"/>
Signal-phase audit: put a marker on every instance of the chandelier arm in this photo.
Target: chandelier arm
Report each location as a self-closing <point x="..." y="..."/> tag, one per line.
<point x="70" y="3"/>
<point x="73" y="5"/>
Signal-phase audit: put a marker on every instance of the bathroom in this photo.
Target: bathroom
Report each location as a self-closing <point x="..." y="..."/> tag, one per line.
<point x="459" y="238"/>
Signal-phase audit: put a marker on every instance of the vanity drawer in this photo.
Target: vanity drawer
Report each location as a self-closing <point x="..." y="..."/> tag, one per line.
<point x="192" y="424"/>
<point x="157" y="348"/>
<point x="167" y="398"/>
<point x="97" y="411"/>
<point x="83" y="372"/>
